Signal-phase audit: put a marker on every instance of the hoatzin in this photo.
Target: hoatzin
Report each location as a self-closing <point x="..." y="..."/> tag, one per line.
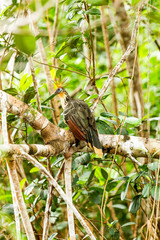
<point x="80" y="120"/>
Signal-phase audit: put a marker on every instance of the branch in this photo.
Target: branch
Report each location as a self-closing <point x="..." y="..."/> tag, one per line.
<point x="50" y="133"/>
<point x="68" y="190"/>
<point x="130" y="48"/>
<point x="59" y="190"/>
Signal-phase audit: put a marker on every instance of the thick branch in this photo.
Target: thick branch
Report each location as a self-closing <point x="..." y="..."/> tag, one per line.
<point x="127" y="146"/>
<point x="51" y="134"/>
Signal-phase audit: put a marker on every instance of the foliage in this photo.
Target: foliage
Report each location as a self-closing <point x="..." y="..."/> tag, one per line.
<point x="121" y="198"/>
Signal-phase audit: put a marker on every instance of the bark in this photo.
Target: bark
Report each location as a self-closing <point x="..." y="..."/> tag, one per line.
<point x="58" y="139"/>
<point x="68" y="187"/>
<point x="52" y="134"/>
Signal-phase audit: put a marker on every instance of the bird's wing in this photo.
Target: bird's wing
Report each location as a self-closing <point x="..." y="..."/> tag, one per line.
<point x="77" y="118"/>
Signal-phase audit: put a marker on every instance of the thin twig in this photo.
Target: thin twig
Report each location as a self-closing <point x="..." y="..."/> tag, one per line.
<point x="35" y="83"/>
<point x="130" y="48"/>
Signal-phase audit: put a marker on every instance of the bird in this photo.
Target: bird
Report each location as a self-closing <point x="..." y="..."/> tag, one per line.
<point x="78" y="116"/>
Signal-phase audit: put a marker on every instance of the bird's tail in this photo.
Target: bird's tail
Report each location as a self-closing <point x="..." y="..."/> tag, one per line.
<point x="96" y="145"/>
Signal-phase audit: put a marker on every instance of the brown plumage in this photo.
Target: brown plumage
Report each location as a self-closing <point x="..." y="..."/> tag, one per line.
<point x="80" y="120"/>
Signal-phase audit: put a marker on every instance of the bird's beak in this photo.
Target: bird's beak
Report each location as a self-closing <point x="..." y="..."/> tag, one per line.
<point x="55" y="93"/>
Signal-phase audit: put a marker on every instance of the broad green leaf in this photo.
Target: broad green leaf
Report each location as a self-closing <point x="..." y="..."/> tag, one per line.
<point x="29" y="189"/>
<point x="34" y="169"/>
<point x="49" y="98"/>
<point x="91" y="97"/>
<point x="145" y="191"/>
<point x="25" y="82"/>
<point x="97" y="2"/>
<point x="29" y="94"/>
<point x="131" y="120"/>
<point x="5" y="60"/>
<point x="103" y="127"/>
<point x="22" y="182"/>
<point x="155" y="192"/>
<point x="135" y="204"/>
<point x="90" y="177"/>
<point x="123" y="193"/>
<point x="11" y="91"/>
<point x="8" y="208"/>
<point x="25" y="42"/>
<point x="94" y="11"/>
<point x="153" y="166"/>
<point x="108" y="115"/>
<point x="119" y="206"/>
<point x="104" y="173"/>
<point x="84" y="159"/>
<point x="20" y="63"/>
<point x="94" y="196"/>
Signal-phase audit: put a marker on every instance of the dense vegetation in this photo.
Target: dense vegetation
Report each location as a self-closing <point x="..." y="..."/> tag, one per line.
<point x="78" y="43"/>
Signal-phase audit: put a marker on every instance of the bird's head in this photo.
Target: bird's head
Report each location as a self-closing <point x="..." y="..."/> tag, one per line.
<point x="61" y="92"/>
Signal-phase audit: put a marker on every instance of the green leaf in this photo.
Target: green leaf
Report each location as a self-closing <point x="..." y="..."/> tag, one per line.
<point x="123" y="193"/>
<point x="20" y="63"/>
<point x="128" y="224"/>
<point x="22" y="182"/>
<point x="119" y="206"/>
<point x="25" y="82"/>
<point x="5" y="60"/>
<point x="157" y="194"/>
<point x="135" y="2"/>
<point x="105" y="96"/>
<point x="153" y="166"/>
<point x="104" y="173"/>
<point x="131" y="120"/>
<point x="8" y="208"/>
<point x="145" y="191"/>
<point x="25" y="42"/>
<point x="94" y="11"/>
<point x="11" y="91"/>
<point x="52" y="236"/>
<point x="97" y="2"/>
<point x="103" y="127"/>
<point x="83" y="159"/>
<point x="90" y="177"/>
<point x="108" y="115"/>
<point x="135" y="204"/>
<point x="29" y="189"/>
<point x="49" y="98"/>
<point x="34" y="169"/>
<point x="29" y="94"/>
<point x="62" y="124"/>
<point x="94" y="196"/>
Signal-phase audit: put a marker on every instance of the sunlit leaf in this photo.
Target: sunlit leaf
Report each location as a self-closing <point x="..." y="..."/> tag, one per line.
<point x="25" y="42"/>
<point x="5" y="60"/>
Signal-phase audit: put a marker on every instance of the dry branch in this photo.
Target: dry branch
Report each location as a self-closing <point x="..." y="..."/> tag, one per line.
<point x="58" y="139"/>
<point x="130" y="48"/>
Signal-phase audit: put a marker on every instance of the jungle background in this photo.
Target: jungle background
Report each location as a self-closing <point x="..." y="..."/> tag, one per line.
<point x="79" y="43"/>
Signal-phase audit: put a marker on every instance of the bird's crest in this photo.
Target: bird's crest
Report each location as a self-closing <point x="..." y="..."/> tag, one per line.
<point x="59" y="83"/>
